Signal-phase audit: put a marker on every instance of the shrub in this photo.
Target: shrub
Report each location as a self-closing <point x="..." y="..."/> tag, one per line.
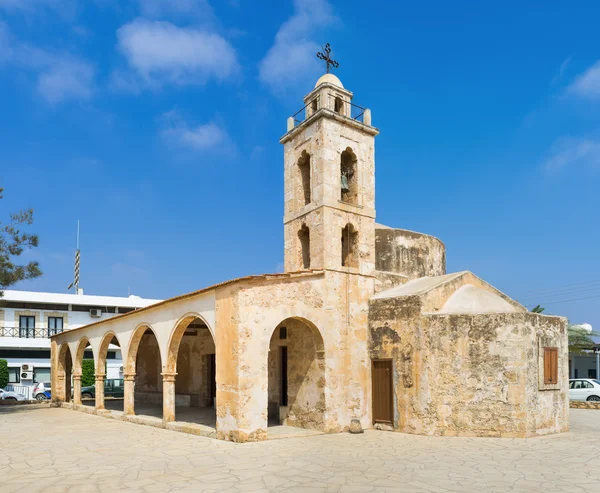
<point x="3" y="373"/>
<point x="87" y="373"/>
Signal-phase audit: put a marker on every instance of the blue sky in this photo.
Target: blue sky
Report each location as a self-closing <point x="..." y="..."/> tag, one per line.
<point x="156" y="123"/>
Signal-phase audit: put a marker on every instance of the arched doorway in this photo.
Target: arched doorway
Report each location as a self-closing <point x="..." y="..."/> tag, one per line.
<point x="65" y="368"/>
<point x="191" y="362"/>
<point x="296" y="376"/>
<point x="83" y="373"/>
<point x="143" y="369"/>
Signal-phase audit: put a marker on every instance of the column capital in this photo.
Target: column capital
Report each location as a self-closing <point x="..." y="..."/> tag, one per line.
<point x="76" y="376"/>
<point x="129" y="377"/>
<point x="100" y="376"/>
<point x="60" y="376"/>
<point x="169" y="377"/>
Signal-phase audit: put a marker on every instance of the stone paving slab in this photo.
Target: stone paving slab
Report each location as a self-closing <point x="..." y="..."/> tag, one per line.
<point x="58" y="450"/>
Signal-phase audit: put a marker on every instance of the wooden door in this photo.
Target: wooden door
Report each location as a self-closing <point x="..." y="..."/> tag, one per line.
<point x="383" y="410"/>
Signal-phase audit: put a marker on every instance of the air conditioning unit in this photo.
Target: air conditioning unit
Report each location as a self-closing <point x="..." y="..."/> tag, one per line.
<point x="26" y="368"/>
<point x="27" y="375"/>
<point x="120" y="369"/>
<point x="95" y="313"/>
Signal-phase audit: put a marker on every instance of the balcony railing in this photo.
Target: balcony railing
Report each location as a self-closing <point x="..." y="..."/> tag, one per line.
<point x="335" y="104"/>
<point x="28" y="333"/>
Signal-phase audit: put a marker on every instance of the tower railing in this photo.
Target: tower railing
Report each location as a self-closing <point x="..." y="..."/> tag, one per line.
<point x="346" y="109"/>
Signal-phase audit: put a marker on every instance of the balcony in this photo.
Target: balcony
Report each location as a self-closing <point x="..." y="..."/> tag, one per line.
<point x="28" y="333"/>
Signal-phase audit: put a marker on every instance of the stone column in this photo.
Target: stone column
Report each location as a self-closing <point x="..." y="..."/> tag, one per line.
<point x="77" y="388"/>
<point x="99" y="390"/>
<point x="60" y="391"/>
<point x="129" y="393"/>
<point x="168" y="396"/>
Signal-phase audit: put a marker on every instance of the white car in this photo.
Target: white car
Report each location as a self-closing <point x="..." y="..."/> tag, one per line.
<point x="584" y="389"/>
<point x="13" y="396"/>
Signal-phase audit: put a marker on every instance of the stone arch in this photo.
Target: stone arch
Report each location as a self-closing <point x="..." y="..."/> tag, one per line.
<point x="134" y="344"/>
<point x="296" y="375"/>
<point x="304" y="178"/>
<point x="65" y="368"/>
<point x="107" y="339"/>
<point x="304" y="238"/>
<point x="349" y="242"/>
<point x="81" y="347"/>
<point x="176" y="336"/>
<point x="349" y="176"/>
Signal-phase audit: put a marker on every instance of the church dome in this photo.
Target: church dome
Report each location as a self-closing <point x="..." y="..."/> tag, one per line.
<point x="329" y="79"/>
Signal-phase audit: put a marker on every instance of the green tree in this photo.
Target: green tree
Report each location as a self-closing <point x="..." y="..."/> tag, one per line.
<point x="3" y="373"/>
<point x="12" y="243"/>
<point x="87" y="373"/>
<point x="580" y="339"/>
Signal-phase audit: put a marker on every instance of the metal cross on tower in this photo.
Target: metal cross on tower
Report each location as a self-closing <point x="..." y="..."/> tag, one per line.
<point x="325" y="55"/>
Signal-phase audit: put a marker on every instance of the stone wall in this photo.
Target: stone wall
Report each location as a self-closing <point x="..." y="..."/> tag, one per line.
<point x="468" y="375"/>
<point x="408" y="253"/>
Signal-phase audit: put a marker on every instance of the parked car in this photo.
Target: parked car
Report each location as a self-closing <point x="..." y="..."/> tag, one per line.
<point x="12" y="396"/>
<point x="40" y="389"/>
<point x="113" y="387"/>
<point x="584" y="389"/>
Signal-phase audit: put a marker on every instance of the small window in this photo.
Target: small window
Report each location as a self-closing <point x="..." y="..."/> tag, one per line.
<point x="304" y="168"/>
<point x="282" y="333"/>
<point x="592" y="373"/>
<point x="338" y="105"/>
<point x="349" y="246"/>
<point x="304" y="237"/>
<point x="55" y="325"/>
<point x="587" y="385"/>
<point x="550" y="365"/>
<point x="14" y="375"/>
<point x="314" y="105"/>
<point x="41" y="375"/>
<point x="577" y="385"/>
<point x="26" y="326"/>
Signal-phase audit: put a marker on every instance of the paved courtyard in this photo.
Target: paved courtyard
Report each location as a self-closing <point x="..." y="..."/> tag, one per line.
<point x="58" y="450"/>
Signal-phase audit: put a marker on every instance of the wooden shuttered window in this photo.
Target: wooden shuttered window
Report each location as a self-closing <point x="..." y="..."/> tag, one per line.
<point x="550" y="365"/>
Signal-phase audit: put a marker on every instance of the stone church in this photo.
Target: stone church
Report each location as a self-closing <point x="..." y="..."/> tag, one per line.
<point x="364" y="326"/>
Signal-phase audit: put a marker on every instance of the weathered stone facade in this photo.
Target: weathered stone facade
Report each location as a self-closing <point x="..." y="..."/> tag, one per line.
<point x="300" y="348"/>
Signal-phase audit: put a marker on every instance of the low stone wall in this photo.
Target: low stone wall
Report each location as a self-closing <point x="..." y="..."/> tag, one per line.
<point x="584" y="405"/>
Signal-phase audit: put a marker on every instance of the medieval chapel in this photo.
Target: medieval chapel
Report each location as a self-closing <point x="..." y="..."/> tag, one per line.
<point x="364" y="328"/>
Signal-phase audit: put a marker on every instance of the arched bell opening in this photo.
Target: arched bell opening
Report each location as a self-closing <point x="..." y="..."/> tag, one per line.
<point x="349" y="177"/>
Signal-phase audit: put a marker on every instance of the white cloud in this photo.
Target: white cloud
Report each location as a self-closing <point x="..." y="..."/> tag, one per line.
<point x="59" y="76"/>
<point x="160" y="52"/>
<point x="291" y="60"/>
<point x="587" y="85"/>
<point x="206" y="137"/>
<point x="568" y="151"/>
<point x="66" y="79"/>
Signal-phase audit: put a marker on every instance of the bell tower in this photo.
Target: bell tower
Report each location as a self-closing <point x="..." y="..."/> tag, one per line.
<point x="329" y="179"/>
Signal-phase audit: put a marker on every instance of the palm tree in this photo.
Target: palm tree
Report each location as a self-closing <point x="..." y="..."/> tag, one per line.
<point x="580" y="339"/>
